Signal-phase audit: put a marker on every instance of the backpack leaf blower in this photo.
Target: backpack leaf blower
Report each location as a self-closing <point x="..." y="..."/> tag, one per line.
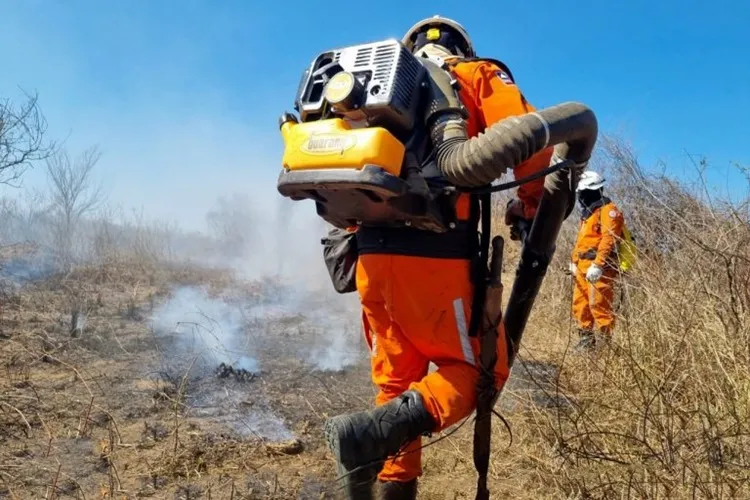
<point x="382" y="139"/>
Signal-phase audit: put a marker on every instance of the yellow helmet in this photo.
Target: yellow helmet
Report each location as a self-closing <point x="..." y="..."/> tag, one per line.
<point x="440" y="31"/>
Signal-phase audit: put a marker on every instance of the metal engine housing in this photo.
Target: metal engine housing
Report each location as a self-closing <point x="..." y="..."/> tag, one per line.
<point x="390" y="77"/>
<point x="379" y="85"/>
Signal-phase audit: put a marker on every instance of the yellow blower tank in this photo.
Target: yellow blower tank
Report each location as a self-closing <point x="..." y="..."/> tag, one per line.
<point x="333" y="144"/>
<point x="358" y="108"/>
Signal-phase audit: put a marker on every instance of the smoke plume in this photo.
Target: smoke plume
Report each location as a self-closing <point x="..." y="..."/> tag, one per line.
<point x="205" y="328"/>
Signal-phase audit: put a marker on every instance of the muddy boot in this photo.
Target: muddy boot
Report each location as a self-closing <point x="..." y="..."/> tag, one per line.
<point x="587" y="340"/>
<point x="393" y="490"/>
<point x="363" y="441"/>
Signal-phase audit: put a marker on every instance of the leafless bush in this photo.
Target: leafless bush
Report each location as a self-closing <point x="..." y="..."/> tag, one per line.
<point x="72" y="197"/>
<point x="22" y="130"/>
<point x="150" y="241"/>
<point x="22" y="219"/>
<point x="107" y="237"/>
<point x="232" y="222"/>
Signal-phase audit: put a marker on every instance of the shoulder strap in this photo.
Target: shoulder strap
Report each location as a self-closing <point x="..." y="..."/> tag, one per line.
<point x="497" y="62"/>
<point x="504" y="67"/>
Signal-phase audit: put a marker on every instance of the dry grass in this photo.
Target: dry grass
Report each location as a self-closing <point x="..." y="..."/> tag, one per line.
<point x="662" y="412"/>
<point x="92" y="415"/>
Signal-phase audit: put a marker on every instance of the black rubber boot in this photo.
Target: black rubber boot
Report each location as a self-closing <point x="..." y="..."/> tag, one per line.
<point x="362" y="441"/>
<point x="393" y="490"/>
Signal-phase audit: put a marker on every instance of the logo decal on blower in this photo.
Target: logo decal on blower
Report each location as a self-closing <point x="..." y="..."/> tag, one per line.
<point x="323" y="144"/>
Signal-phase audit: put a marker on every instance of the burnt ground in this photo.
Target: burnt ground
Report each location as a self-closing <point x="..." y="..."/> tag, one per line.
<point x="125" y="409"/>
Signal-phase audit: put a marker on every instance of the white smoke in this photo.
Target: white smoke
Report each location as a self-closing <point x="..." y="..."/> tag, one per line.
<point x="209" y="329"/>
<point x="222" y="329"/>
<point x="338" y="355"/>
<point x="199" y="331"/>
<point x="284" y="251"/>
<point x="338" y="331"/>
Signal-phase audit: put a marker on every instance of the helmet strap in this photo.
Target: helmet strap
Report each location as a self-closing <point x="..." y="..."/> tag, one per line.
<point x="436" y="52"/>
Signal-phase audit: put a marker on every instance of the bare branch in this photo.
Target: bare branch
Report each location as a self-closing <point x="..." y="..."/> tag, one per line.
<point x="22" y="131"/>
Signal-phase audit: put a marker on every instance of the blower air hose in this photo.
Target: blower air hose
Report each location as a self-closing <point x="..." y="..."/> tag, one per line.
<point x="572" y="129"/>
<point x="477" y="161"/>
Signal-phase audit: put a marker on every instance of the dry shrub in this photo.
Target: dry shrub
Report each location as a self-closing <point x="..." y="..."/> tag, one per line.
<point x="664" y="410"/>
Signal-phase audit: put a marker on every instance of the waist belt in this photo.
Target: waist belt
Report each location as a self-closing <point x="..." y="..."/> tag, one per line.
<point x="459" y="243"/>
<point x="589" y="254"/>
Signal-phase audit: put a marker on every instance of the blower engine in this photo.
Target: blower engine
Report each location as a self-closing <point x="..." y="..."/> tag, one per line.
<point x="354" y="148"/>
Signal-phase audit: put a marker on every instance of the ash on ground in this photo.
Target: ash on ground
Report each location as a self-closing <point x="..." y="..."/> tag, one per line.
<point x="239" y="374"/>
<point x="243" y="408"/>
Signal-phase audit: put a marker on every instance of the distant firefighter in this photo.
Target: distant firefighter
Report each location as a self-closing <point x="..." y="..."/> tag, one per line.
<point x="596" y="262"/>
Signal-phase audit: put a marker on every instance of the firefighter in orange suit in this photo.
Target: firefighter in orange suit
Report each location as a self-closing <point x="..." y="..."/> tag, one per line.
<point x="416" y="293"/>
<point x="594" y="260"/>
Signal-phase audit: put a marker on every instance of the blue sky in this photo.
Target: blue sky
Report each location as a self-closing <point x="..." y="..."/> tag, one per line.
<point x="183" y="96"/>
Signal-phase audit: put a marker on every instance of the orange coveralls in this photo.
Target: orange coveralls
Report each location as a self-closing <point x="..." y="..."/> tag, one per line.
<point x="597" y="243"/>
<point x="417" y="309"/>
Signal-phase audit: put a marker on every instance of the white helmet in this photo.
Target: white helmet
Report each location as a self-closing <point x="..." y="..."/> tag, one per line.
<point x="410" y="38"/>
<point x="590" y="180"/>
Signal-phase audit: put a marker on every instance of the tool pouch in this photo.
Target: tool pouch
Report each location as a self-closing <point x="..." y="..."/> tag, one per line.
<point x="340" y="256"/>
